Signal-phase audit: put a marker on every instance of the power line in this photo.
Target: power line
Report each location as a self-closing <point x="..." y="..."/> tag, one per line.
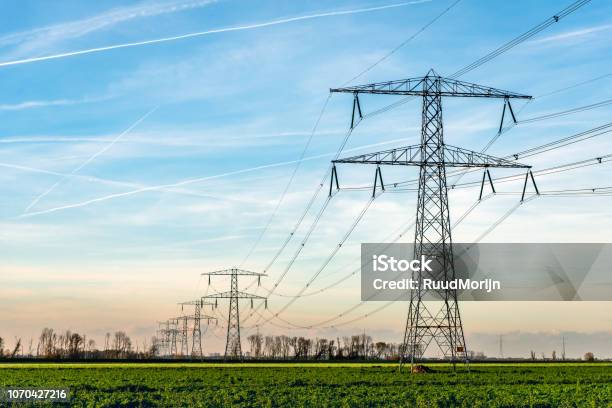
<point x="289" y="182"/>
<point x="567" y="112"/>
<point x="404" y="229"/>
<point x="592" y="191"/>
<point x="325" y="263"/>
<point x="403" y="43"/>
<point x="521" y="38"/>
<point x="543" y="148"/>
<point x="546" y="171"/>
<point x="387" y="304"/>
<point x="485" y="59"/>
<point x="568" y="10"/>
<point x="498" y="51"/>
<point x="410" y="226"/>
<point x="588" y="81"/>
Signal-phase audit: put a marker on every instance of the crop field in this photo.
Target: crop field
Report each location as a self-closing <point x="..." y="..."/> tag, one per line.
<point x="310" y="385"/>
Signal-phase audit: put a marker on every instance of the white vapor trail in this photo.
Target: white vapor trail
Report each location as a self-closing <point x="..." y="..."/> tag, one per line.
<point x="170" y="186"/>
<point x="208" y="32"/>
<point x="116" y="183"/>
<point x="90" y="159"/>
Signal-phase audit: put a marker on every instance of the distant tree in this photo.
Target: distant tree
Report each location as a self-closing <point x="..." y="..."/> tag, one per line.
<point x="47" y="344"/>
<point x="1" y="347"/>
<point x="533" y="355"/>
<point x="554" y="355"/>
<point x="16" y="348"/>
<point x="154" y="348"/>
<point x="122" y="344"/>
<point x="91" y="346"/>
<point x="381" y="348"/>
<point x="75" y="344"/>
<point x="331" y="349"/>
<point x="255" y="341"/>
<point x="589" y="356"/>
<point x="320" y="348"/>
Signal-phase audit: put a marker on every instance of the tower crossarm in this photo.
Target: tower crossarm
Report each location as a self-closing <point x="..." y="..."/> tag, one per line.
<point x="196" y="302"/>
<point x="229" y="295"/>
<point x="233" y="271"/>
<point x="202" y="316"/>
<point x="413" y="156"/>
<point x="415" y="86"/>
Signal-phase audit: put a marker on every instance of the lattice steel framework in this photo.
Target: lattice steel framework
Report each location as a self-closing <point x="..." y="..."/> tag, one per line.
<point x="197" y="317"/>
<point x="233" y="348"/>
<point x="432" y="230"/>
<point x="164" y="337"/>
<point x="173" y="333"/>
<point x="183" y="333"/>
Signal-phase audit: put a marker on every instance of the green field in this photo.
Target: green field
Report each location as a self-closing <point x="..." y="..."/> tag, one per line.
<point x="311" y="385"/>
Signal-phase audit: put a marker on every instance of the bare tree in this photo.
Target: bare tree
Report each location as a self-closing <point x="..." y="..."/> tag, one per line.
<point x="16" y="348"/>
<point x="122" y="344"/>
<point x="255" y="342"/>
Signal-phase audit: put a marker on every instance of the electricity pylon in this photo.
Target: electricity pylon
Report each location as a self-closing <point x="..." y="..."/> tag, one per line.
<point x="181" y="332"/>
<point x="196" y="334"/>
<point x="432" y="229"/>
<point x="164" y="332"/>
<point x="233" y="348"/>
<point x="173" y="332"/>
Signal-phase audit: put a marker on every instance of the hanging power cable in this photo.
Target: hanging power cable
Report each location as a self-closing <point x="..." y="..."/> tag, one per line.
<point x="567" y="112"/>
<point x="498" y="51"/>
<point x="327" y="260"/>
<point x="289" y="182"/>
<point x="403" y="43"/>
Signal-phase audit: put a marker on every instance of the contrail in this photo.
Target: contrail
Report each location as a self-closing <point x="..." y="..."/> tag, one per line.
<point x="170" y="186"/>
<point x="122" y="183"/>
<point x="90" y="159"/>
<point x="208" y="32"/>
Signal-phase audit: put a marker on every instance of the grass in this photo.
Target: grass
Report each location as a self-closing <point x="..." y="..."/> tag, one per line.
<point x="319" y="384"/>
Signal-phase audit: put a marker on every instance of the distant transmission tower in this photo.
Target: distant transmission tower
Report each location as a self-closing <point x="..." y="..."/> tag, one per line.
<point x="233" y="348"/>
<point x="173" y="332"/>
<point x="432" y="231"/>
<point x="197" y="317"/>
<point x="563" y="352"/>
<point x="164" y="341"/>
<point x="181" y="332"/>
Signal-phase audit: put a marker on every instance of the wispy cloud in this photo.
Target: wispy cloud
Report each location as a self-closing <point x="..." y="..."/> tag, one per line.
<point x="116" y="183"/>
<point x="571" y="35"/>
<point x="191" y="181"/>
<point x="44" y="37"/>
<point x="91" y="158"/>
<point x="49" y="103"/>
<point x="209" y="32"/>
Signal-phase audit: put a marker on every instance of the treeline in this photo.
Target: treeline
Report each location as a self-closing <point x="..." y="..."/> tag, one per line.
<point x="347" y="347"/>
<point x="72" y="345"/>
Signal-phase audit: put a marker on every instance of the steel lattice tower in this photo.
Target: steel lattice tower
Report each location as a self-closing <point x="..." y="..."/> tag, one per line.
<point x="197" y="317"/>
<point x="432" y="229"/>
<point x="233" y="348"/>
<point x="164" y="332"/>
<point x="183" y="333"/>
<point x="173" y="331"/>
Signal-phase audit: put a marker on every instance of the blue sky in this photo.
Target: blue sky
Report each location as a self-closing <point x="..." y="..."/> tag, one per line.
<point x="85" y="234"/>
